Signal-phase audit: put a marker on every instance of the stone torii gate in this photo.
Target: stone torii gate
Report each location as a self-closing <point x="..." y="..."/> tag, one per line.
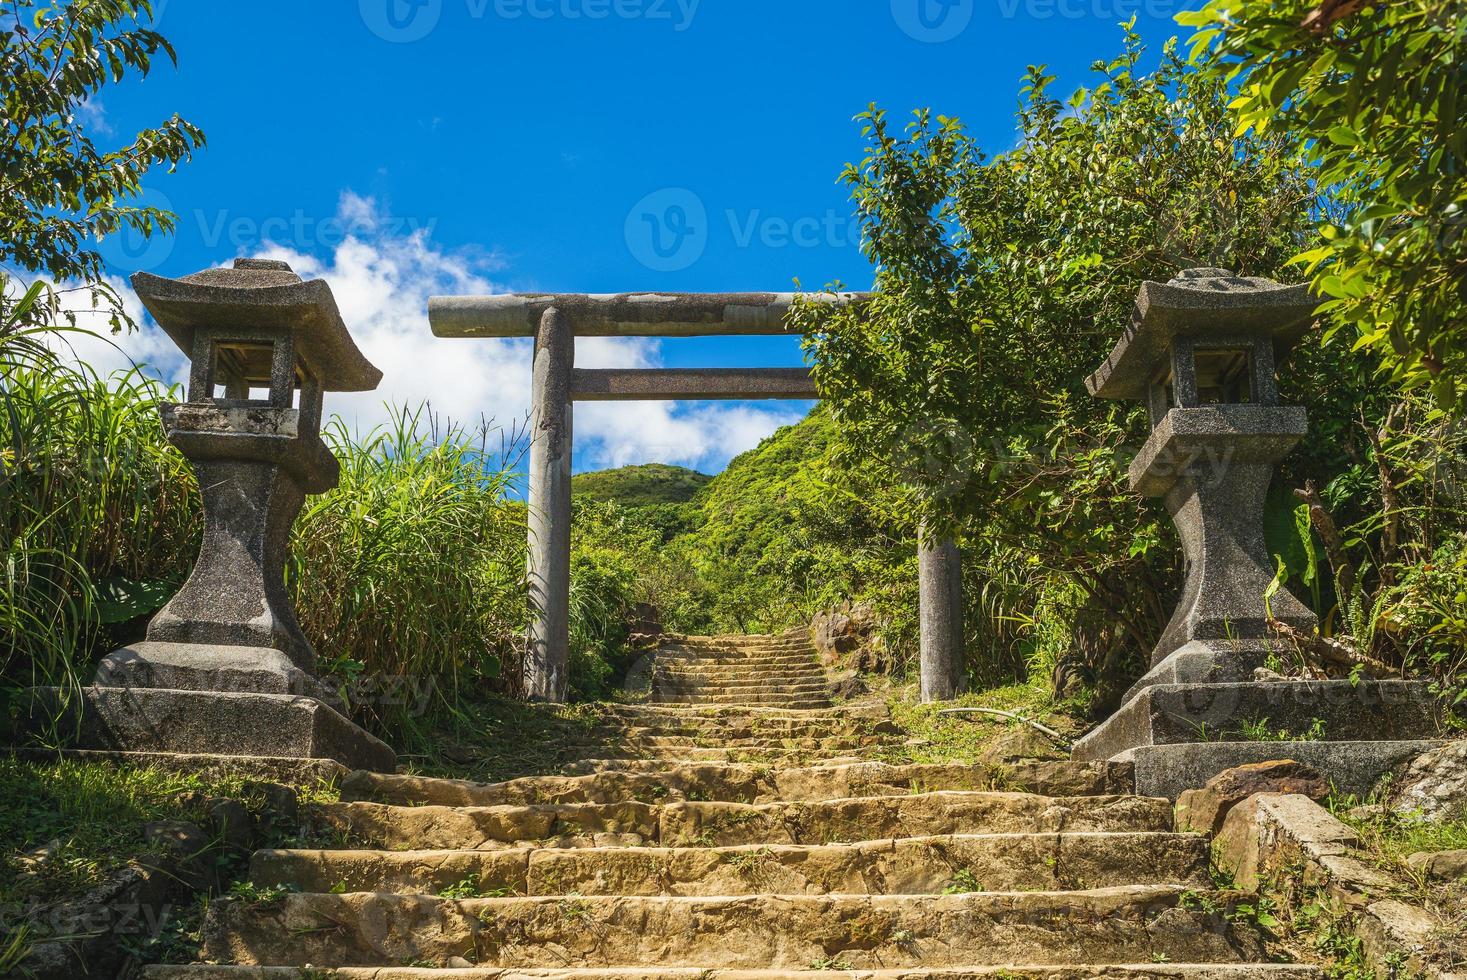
<point x="555" y="320"/>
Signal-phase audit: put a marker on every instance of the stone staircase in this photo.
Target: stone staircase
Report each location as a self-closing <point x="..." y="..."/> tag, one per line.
<point x="679" y="864"/>
<point x="777" y="671"/>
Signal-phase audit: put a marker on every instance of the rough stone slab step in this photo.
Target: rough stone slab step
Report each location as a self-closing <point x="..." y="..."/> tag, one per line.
<point x="668" y="723"/>
<point x="793" y="644"/>
<point x="716" y="685"/>
<point x="643" y="741"/>
<point x="746" y="784"/>
<point x="743" y="713"/>
<point x="1148" y="971"/>
<point x="758" y="661"/>
<point x="909" y="866"/>
<point x="1113" y="925"/>
<point x="751" y="680"/>
<point x="704" y="824"/>
<point x="591" y="767"/>
<point x="734" y="668"/>
<point x="740" y="639"/>
<point x="773" y="699"/>
<point x="677" y="755"/>
<point x="704" y="692"/>
<point x="762" y="651"/>
<point x="738" y="681"/>
<point x="785" y="693"/>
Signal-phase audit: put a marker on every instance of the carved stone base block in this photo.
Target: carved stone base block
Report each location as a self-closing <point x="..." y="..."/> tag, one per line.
<point x="197" y="722"/>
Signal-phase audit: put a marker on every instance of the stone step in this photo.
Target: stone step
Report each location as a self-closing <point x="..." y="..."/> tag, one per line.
<point x="745" y="784"/>
<point x="909" y="866"/>
<point x="742" y="675"/>
<point x="673" y="755"/>
<point x="708" y="824"/>
<point x="590" y="766"/>
<point x="667" y="653"/>
<point x="772" y="699"/>
<point x="683" y="724"/>
<point x="755" y="679"/>
<point x="1148" y="971"/>
<point x="742" y="714"/>
<point x="645" y="740"/>
<point x="711" y="735"/>
<point x="780" y="932"/>
<point x="765" y="658"/>
<point x="740" y="639"/>
<point x="710" y="689"/>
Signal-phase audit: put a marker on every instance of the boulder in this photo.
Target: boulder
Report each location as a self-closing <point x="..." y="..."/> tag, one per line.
<point x="1018" y="743"/>
<point x="1203" y="811"/>
<point x="847" y="686"/>
<point x="1433" y="786"/>
<point x="842" y="632"/>
<point x="1440" y="865"/>
<point x="184" y="840"/>
<point x="1270" y="833"/>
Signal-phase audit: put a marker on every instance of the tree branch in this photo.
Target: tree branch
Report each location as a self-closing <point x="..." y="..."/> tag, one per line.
<point x="1346" y="576"/>
<point x="1321" y="18"/>
<point x="1328" y="652"/>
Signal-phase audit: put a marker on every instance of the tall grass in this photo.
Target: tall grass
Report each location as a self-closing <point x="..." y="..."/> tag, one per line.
<point x="412" y="569"/>
<point x="97" y="512"/>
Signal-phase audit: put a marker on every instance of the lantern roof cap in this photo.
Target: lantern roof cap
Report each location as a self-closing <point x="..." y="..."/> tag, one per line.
<point x="257" y="294"/>
<point x="1200" y="303"/>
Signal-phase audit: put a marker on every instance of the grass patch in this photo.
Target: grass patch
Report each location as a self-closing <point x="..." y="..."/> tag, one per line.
<point x="494" y="738"/>
<point x="65" y="826"/>
<point x="940" y="738"/>
<point x="1391" y="837"/>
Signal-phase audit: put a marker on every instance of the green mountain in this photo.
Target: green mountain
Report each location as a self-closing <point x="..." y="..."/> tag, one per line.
<point x="640" y="486"/>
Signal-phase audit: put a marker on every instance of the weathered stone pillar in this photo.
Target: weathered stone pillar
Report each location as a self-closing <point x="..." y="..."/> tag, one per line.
<point x="547" y="665"/>
<point x="940" y="589"/>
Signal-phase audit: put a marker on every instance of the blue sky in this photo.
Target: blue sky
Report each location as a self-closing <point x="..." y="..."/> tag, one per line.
<point x="403" y="148"/>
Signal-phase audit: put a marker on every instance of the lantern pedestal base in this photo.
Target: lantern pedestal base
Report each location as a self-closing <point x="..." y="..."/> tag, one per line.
<point x="1180" y="734"/>
<point x="117" y="719"/>
<point x="1205" y="662"/>
<point x="203" y="667"/>
<point x="1352" y="768"/>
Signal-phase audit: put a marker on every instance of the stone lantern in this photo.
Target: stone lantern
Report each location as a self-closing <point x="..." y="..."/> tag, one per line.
<point x="1201" y="353"/>
<point x="264" y="347"/>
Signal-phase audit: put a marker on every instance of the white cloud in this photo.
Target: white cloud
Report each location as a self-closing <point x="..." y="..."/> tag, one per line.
<point x="382" y="280"/>
<point x="703" y="436"/>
